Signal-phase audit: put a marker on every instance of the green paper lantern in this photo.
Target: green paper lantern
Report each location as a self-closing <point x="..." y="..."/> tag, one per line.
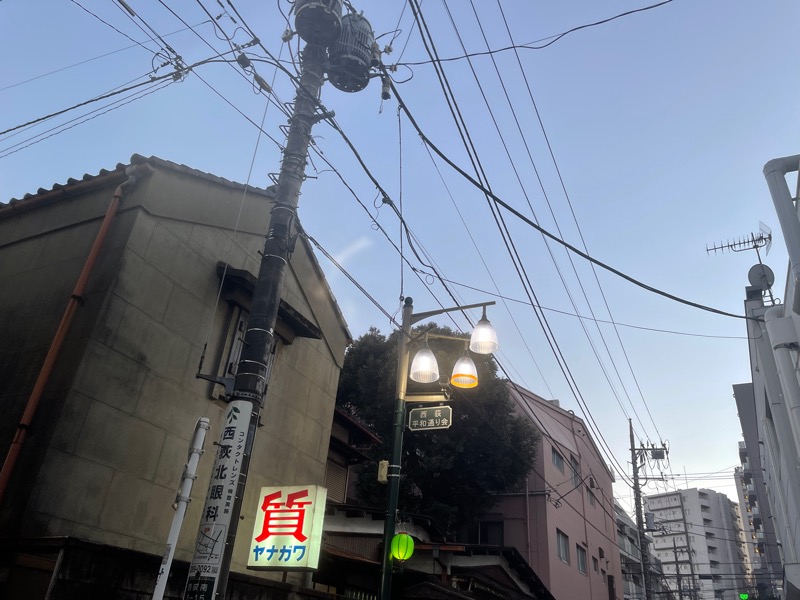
<point x="402" y="546"/>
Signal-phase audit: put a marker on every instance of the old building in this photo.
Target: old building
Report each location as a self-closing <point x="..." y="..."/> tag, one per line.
<point x="101" y="460"/>
<point x="563" y="522"/>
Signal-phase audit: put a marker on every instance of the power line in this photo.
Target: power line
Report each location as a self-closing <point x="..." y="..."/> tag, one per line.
<point x="88" y="60"/>
<point x="575" y="219"/>
<point x="455" y="111"/>
<point x="544" y="231"/>
<point x="120" y="103"/>
<point x="532" y="45"/>
<point x="552" y="212"/>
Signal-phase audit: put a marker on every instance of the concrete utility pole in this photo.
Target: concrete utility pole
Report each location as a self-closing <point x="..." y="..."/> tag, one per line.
<point x="655" y="453"/>
<point x="637" y="498"/>
<point x="677" y="568"/>
<point x="208" y="573"/>
<point x="689" y="548"/>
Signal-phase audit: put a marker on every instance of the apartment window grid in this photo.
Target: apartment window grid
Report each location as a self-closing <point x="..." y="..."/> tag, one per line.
<point x="575" y="467"/>
<point x="558" y="460"/>
<point x="580" y="554"/>
<point x="592" y="498"/>
<point x="562" y="545"/>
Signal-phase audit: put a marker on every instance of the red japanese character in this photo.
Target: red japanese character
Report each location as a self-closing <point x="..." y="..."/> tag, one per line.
<point x="284" y="521"/>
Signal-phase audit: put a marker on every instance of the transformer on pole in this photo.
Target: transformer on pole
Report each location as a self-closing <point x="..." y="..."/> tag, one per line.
<point x="319" y="22"/>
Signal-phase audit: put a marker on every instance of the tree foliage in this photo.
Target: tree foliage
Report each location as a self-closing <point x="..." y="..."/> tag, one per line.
<point x="446" y="474"/>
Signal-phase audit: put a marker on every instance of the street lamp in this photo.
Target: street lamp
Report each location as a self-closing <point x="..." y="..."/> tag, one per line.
<point x="424" y="369"/>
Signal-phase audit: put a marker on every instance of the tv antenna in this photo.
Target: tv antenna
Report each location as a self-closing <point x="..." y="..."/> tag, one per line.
<point x="760" y="275"/>
<point x="752" y="241"/>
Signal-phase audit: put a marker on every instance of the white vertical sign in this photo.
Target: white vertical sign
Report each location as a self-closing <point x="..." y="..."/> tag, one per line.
<point x="216" y="518"/>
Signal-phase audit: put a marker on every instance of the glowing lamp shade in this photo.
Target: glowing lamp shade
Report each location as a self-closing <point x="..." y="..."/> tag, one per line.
<point x="402" y="546"/>
<point x="465" y="375"/>
<point x="424" y="368"/>
<point x="484" y="338"/>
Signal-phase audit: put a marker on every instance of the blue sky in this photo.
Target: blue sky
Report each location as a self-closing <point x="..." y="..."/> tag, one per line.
<point x="660" y="123"/>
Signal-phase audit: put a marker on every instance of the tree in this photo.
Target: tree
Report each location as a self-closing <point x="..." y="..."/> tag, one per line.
<point x="448" y="474"/>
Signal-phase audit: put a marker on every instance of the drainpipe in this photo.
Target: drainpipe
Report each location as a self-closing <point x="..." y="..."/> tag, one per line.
<point x="775" y="172"/>
<point x="528" y="548"/>
<point x="778" y="407"/>
<point x="783" y="339"/>
<point x="75" y="300"/>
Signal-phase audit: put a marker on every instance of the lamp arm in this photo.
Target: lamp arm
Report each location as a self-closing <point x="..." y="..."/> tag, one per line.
<point x="415" y="318"/>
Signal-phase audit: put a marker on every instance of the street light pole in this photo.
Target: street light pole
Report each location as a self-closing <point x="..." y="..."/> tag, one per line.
<point x="393" y="474"/>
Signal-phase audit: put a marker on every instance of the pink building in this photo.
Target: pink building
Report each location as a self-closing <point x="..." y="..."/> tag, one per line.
<point x="563" y="522"/>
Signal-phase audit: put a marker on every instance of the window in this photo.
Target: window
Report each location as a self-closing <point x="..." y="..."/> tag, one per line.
<point x="603" y="575"/>
<point x="592" y="498"/>
<point x="595" y="564"/>
<point x="558" y="460"/>
<point x="491" y="533"/>
<point x="580" y="553"/>
<point x="575" y="467"/>
<point x="562" y="545"/>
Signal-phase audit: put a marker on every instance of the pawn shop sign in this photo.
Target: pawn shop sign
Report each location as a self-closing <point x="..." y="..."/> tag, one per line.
<point x="288" y="529"/>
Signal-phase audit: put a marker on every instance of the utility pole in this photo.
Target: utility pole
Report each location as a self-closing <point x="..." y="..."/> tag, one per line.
<point x="345" y="47"/>
<point x="637" y="498"/>
<point x="677" y="568"/>
<point x="208" y="573"/>
<point x="688" y="548"/>
<point x="638" y="454"/>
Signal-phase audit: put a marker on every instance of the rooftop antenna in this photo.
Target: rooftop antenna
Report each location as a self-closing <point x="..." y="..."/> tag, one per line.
<point x="760" y="275"/>
<point x="752" y="241"/>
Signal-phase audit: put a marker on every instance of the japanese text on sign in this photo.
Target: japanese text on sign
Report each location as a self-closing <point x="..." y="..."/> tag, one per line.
<point x="288" y="528"/>
<point x="439" y="417"/>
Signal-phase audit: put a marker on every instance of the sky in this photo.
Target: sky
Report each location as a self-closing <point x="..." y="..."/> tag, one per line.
<point x="639" y="140"/>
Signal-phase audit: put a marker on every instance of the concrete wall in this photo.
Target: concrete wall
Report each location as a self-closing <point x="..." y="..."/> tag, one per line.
<point x="118" y="446"/>
<point x="42" y="252"/>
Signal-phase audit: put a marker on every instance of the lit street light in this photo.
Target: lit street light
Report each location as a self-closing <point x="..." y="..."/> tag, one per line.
<point x="424" y="369"/>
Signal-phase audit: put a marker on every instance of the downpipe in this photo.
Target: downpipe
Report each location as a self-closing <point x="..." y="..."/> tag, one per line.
<point x="75" y="300"/>
<point x="775" y="173"/>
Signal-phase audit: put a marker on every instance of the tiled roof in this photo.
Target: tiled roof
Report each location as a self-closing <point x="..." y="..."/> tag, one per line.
<point x="118" y="175"/>
<point x="136" y="159"/>
<point x="120" y="168"/>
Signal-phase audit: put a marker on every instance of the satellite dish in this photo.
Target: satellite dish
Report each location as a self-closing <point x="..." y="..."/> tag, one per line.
<point x="761" y="276"/>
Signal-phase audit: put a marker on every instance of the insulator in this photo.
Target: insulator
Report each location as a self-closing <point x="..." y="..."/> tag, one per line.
<point x="351" y="56"/>
<point x="243" y="61"/>
<point x="318" y="21"/>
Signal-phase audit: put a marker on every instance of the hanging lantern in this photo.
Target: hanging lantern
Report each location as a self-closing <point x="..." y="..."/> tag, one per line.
<point x="465" y="375"/>
<point x="402" y="546"/>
